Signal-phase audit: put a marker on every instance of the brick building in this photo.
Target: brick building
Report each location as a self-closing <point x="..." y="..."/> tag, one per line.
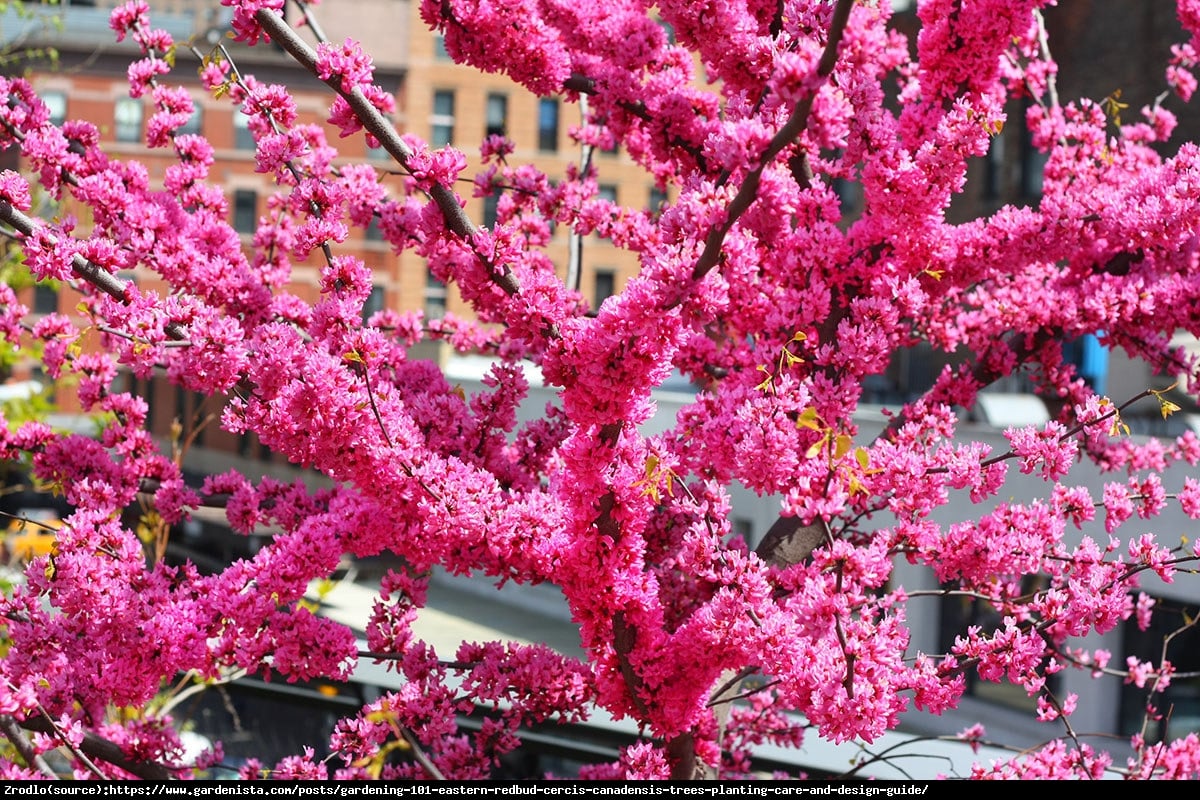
<point x="1098" y="50"/>
<point x="437" y="100"/>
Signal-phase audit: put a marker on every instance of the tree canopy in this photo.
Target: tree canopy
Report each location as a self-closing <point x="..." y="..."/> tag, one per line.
<point x="753" y="283"/>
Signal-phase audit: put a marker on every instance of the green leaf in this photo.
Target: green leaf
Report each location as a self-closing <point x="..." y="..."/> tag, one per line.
<point x="842" y="445"/>
<point x="809" y="419"/>
<point x="765" y="385"/>
<point x="815" y="449"/>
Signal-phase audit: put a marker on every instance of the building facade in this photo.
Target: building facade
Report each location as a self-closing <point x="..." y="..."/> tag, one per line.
<point x="447" y="104"/>
<point x="437" y="100"/>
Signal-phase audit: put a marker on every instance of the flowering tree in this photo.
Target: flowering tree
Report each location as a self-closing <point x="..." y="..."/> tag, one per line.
<point x="751" y="283"/>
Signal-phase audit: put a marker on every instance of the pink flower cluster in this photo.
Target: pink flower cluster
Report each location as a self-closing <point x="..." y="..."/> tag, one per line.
<point x="753" y="284"/>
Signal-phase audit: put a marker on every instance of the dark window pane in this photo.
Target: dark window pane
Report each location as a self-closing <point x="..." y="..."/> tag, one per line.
<point x="1178" y="703"/>
<point x="245" y="210"/>
<point x="45" y="298"/>
<point x="958" y="615"/>
<point x="373" y="232"/>
<point x="548" y="125"/>
<point x="491" y="206"/>
<point x="497" y="114"/>
<point x="439" y="48"/>
<point x="435" y="297"/>
<point x="194" y="123"/>
<point x="658" y="199"/>
<point x="442" y="120"/>
<point x="373" y="303"/>
<point x="606" y="286"/>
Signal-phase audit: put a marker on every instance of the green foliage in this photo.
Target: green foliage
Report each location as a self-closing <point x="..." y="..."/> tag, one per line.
<point x="14" y="49"/>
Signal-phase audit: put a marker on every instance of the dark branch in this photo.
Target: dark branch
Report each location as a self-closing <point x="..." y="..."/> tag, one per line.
<point x="16" y="737"/>
<point x="103" y="749"/>
<point x="377" y="125"/>
<point x="790" y="131"/>
<point x="106" y="282"/>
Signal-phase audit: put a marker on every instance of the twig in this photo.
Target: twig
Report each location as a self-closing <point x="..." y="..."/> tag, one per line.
<point x="102" y="749"/>
<point x="791" y="130"/>
<point x="374" y="123"/>
<point x="14" y="734"/>
<point x="197" y="688"/>
<point x="53" y="729"/>
<point x="421" y="757"/>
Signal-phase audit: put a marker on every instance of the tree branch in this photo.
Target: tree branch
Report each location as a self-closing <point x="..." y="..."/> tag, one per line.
<point x="14" y="734"/>
<point x="788" y="542"/>
<point x="374" y="122"/>
<point x="790" y="131"/>
<point x="107" y="751"/>
<point x="103" y="280"/>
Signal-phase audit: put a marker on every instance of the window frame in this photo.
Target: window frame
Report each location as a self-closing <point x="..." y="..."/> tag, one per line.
<point x="548" y="131"/>
<point x="441" y="122"/>
<point x="496" y="114"/>
<point x="123" y="129"/>
<point x="238" y="210"/>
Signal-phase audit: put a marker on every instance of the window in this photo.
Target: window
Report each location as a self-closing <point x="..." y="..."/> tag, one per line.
<point x="849" y="194"/>
<point x="56" y="104"/>
<point x="245" y="210"/>
<point x="668" y="29"/>
<point x="442" y="119"/>
<point x="1090" y="359"/>
<point x="127" y="114"/>
<point x="993" y="170"/>
<point x="958" y="614"/>
<point x="374" y="302"/>
<point x="548" y="125"/>
<point x="1182" y="697"/>
<point x="439" y="48"/>
<point x="243" y="139"/>
<point x="194" y="123"/>
<point x="435" y="297"/>
<point x="373" y="233"/>
<point x="491" y="208"/>
<point x="1033" y="165"/>
<point x="607" y="191"/>
<point x="605" y="287"/>
<point x="45" y="297"/>
<point x="497" y="114"/>
<point x="658" y="199"/>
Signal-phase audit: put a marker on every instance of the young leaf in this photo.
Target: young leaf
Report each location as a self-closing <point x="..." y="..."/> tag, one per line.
<point x="809" y="419"/>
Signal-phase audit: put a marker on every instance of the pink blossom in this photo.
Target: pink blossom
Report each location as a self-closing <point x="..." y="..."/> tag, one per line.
<point x="132" y="15"/>
<point x="245" y="26"/>
<point x="1118" y="506"/>
<point x="347" y="61"/>
<point x="1048" y="449"/>
<point x="1189" y="497"/>
<point x="438" y="168"/>
<point x="644" y="762"/>
<point x="774" y="297"/>
<point x="14" y="189"/>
